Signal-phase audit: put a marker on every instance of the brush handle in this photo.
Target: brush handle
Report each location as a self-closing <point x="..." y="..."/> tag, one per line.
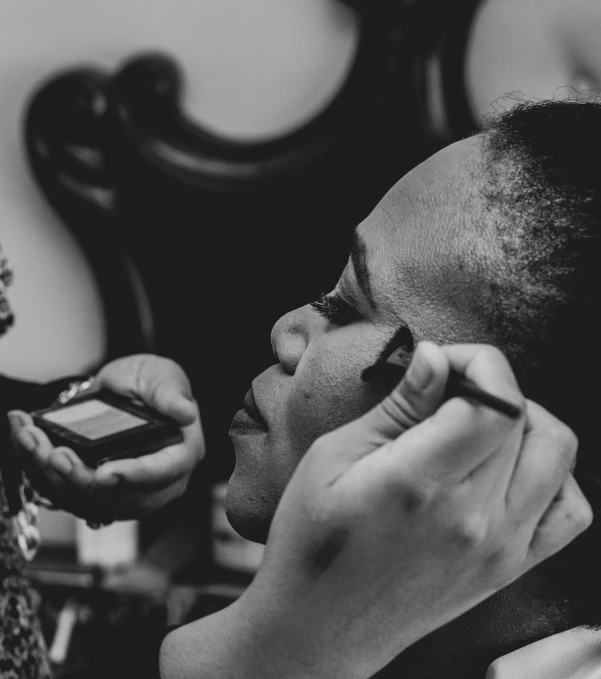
<point x="458" y="385"/>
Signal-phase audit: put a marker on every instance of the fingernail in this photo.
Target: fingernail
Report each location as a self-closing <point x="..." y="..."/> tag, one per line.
<point x="62" y="464"/>
<point x="420" y="372"/>
<point x="27" y="439"/>
<point x="16" y="420"/>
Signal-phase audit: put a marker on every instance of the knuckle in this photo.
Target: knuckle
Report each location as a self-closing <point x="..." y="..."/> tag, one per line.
<point x="172" y="368"/>
<point x="470" y="531"/>
<point x="583" y="517"/>
<point x="414" y="497"/>
<point x="493" y="353"/>
<point x="504" y="554"/>
<point x="498" y="560"/>
<point x="564" y="439"/>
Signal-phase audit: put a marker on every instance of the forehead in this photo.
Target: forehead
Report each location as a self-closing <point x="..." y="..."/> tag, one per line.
<point x="422" y="247"/>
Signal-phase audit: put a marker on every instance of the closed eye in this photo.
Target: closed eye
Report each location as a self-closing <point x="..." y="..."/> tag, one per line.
<point x="335" y="309"/>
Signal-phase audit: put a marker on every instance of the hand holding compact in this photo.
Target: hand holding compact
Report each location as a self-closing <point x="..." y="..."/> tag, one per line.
<point x="128" y="488"/>
<point x="407" y="517"/>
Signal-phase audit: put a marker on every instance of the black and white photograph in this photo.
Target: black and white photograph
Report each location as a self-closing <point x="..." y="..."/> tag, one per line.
<point x="299" y="319"/>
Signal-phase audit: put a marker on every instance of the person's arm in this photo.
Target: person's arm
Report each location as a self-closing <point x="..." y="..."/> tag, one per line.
<point x="128" y="488"/>
<point x="389" y="529"/>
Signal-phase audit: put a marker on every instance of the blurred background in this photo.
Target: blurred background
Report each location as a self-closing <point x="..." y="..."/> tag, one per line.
<point x="175" y="175"/>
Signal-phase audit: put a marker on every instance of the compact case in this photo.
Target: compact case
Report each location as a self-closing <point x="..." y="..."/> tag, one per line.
<point x="104" y="426"/>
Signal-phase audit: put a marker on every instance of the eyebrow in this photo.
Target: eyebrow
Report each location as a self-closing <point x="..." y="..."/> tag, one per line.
<point x="359" y="260"/>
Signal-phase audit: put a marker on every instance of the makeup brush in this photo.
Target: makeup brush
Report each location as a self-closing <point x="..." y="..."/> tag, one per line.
<point x="457" y="385"/>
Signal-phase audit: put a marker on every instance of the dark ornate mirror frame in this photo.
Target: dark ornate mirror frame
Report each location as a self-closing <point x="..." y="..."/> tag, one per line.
<point x="199" y="242"/>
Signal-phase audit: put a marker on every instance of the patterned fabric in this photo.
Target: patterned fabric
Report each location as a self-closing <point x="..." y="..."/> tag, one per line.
<point x="6" y="278"/>
<point x="22" y="649"/>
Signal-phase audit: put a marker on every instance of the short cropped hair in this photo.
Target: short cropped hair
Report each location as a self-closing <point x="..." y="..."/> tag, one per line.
<point x="542" y="199"/>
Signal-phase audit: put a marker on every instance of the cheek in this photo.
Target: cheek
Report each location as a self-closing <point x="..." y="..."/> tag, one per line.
<point x="326" y="393"/>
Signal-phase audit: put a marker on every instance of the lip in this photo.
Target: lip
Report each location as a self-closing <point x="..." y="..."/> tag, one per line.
<point x="248" y="419"/>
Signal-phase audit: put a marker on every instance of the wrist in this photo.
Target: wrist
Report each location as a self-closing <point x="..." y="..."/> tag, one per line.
<point x="237" y="643"/>
<point x="288" y="638"/>
<point x="216" y="646"/>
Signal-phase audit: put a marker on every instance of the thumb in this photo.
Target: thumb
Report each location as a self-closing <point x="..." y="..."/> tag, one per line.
<point x="160" y="382"/>
<point x="417" y="396"/>
<point x="170" y="394"/>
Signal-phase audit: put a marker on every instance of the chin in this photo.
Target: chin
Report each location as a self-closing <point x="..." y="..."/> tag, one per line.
<point x="249" y="512"/>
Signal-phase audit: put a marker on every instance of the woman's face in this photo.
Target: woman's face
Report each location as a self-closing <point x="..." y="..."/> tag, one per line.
<point x="409" y="266"/>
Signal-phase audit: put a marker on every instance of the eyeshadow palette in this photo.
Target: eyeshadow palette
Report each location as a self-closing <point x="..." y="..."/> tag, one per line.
<point x="105" y="426"/>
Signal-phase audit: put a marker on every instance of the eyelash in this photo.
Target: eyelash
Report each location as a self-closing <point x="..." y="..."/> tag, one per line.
<point x="335" y="309"/>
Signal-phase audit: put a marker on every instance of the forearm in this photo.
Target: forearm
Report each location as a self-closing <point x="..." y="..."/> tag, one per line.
<point x="232" y="645"/>
<point x="218" y="646"/>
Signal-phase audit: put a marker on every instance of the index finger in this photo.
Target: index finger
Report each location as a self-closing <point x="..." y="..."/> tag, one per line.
<point x="462" y="434"/>
<point x="154" y="471"/>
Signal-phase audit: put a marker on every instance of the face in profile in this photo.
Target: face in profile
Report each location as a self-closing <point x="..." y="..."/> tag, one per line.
<point x="410" y="268"/>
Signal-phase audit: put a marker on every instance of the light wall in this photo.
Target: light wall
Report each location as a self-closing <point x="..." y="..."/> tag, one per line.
<point x="539" y="48"/>
<point x="254" y="70"/>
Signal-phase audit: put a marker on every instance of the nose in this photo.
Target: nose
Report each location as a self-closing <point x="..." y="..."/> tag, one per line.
<point x="291" y="336"/>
